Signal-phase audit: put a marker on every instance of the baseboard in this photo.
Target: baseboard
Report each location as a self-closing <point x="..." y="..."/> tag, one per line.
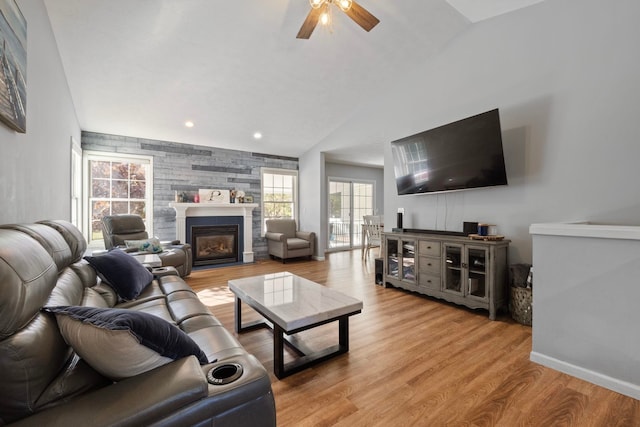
<point x="617" y="385"/>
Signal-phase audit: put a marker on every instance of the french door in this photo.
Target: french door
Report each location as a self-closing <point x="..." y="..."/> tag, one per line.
<point x="348" y="201"/>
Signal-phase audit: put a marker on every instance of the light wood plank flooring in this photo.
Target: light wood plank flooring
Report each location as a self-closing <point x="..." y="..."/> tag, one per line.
<point x="414" y="361"/>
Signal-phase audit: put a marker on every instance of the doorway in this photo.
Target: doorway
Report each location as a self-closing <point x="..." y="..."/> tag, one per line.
<point x="348" y="201"/>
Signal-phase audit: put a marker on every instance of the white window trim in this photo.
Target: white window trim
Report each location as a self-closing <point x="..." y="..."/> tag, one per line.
<point x="277" y="171"/>
<point x="77" y="207"/>
<point x="88" y="155"/>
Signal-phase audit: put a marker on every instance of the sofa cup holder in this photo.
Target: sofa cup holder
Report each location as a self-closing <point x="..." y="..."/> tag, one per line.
<point x="224" y="374"/>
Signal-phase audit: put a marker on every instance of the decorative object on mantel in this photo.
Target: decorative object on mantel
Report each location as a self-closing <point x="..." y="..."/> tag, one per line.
<point x="232" y="196"/>
<point x="186" y="197"/>
<point x="240" y="196"/>
<point x="13" y="95"/>
<point x="248" y="199"/>
<point x="214" y="196"/>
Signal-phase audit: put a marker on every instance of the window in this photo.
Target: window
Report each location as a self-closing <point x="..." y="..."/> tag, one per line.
<point x="117" y="184"/>
<point x="279" y="194"/>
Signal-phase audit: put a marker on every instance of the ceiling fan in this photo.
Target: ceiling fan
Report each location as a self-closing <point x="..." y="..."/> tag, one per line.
<point x="321" y="12"/>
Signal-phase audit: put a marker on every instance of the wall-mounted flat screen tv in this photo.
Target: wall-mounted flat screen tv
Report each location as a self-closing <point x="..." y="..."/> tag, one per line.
<point x="457" y="156"/>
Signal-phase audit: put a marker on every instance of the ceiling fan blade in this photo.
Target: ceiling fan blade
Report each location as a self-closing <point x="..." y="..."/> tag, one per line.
<point x="362" y="17"/>
<point x="309" y="24"/>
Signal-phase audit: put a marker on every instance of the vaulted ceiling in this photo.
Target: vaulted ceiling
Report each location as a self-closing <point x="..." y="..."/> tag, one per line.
<point x="143" y="68"/>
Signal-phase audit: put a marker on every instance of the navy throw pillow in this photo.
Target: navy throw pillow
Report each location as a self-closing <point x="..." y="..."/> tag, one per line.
<point x="122" y="272"/>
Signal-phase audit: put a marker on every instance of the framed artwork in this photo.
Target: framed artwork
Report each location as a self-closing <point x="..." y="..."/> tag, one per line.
<point x="213" y="196"/>
<point x="13" y="79"/>
<point x="248" y="199"/>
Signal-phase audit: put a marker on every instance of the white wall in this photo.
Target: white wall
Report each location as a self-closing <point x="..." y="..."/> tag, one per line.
<point x="35" y="166"/>
<point x="564" y="75"/>
<point x="312" y="205"/>
<point x="585" y="317"/>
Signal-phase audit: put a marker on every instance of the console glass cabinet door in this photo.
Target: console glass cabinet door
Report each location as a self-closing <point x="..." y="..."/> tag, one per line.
<point x="477" y="273"/>
<point x="409" y="260"/>
<point x="401" y="263"/>
<point x="453" y="275"/>
<point x="392" y="258"/>
<point x="466" y="271"/>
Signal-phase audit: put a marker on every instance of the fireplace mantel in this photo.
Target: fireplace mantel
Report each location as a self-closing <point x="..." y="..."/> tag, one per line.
<point x="184" y="210"/>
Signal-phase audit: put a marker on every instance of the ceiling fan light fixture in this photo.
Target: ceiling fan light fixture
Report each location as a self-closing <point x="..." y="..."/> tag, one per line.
<point x="320" y="14"/>
<point x="345" y="5"/>
<point x="325" y="17"/>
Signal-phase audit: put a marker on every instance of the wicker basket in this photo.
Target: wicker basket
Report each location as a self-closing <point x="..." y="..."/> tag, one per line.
<point x="521" y="308"/>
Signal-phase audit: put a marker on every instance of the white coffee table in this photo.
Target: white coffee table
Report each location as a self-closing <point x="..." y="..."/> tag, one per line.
<point x="291" y="304"/>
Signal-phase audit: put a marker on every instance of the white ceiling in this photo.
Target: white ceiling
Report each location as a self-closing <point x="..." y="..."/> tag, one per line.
<point x="143" y="67"/>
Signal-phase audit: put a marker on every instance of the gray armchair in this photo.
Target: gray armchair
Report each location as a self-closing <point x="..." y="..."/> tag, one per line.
<point x="116" y="229"/>
<point x="284" y="241"/>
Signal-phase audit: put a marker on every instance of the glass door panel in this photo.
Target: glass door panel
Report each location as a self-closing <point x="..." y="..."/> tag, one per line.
<point x="348" y="202"/>
<point x="392" y="258"/>
<point x="477" y="272"/>
<point x="453" y="269"/>
<point x="339" y="214"/>
<point x="362" y="205"/>
<point x="408" y="260"/>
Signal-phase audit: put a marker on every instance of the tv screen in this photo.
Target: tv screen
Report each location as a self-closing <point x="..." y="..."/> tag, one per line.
<point x="457" y="156"/>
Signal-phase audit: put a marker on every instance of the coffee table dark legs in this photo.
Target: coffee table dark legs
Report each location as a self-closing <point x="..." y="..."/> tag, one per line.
<point x="280" y="339"/>
<point x="247" y="326"/>
<point x="307" y="358"/>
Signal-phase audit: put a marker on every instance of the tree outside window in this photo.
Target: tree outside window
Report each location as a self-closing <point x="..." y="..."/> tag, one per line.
<point x="117" y="186"/>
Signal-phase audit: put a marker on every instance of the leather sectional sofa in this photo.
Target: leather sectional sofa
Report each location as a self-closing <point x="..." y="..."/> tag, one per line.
<point x="74" y="351"/>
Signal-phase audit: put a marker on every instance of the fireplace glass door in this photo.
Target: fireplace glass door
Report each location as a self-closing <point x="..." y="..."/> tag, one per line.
<point x="214" y="244"/>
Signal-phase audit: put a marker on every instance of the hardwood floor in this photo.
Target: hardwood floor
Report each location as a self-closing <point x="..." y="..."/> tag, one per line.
<point x="414" y="361"/>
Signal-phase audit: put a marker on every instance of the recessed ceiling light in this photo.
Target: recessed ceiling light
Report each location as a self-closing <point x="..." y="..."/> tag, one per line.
<point x="189" y="124"/>
<point x="257" y="135"/>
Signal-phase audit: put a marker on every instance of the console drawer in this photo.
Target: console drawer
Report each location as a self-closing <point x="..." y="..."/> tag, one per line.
<point x="428" y="265"/>
<point x="429" y="281"/>
<point x="429" y="248"/>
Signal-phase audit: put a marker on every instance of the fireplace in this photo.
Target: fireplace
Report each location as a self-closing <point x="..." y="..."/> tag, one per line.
<point x="191" y="214"/>
<point x="215" y="244"/>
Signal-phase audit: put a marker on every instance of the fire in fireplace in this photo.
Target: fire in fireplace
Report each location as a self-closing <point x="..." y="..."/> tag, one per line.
<point x="214" y="244"/>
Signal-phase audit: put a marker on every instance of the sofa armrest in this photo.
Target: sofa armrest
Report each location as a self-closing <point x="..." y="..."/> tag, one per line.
<point x="306" y="235"/>
<point x="140" y="400"/>
<point x="278" y="237"/>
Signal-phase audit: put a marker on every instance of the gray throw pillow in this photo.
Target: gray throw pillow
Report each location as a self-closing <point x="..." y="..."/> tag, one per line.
<point x="121" y="343"/>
